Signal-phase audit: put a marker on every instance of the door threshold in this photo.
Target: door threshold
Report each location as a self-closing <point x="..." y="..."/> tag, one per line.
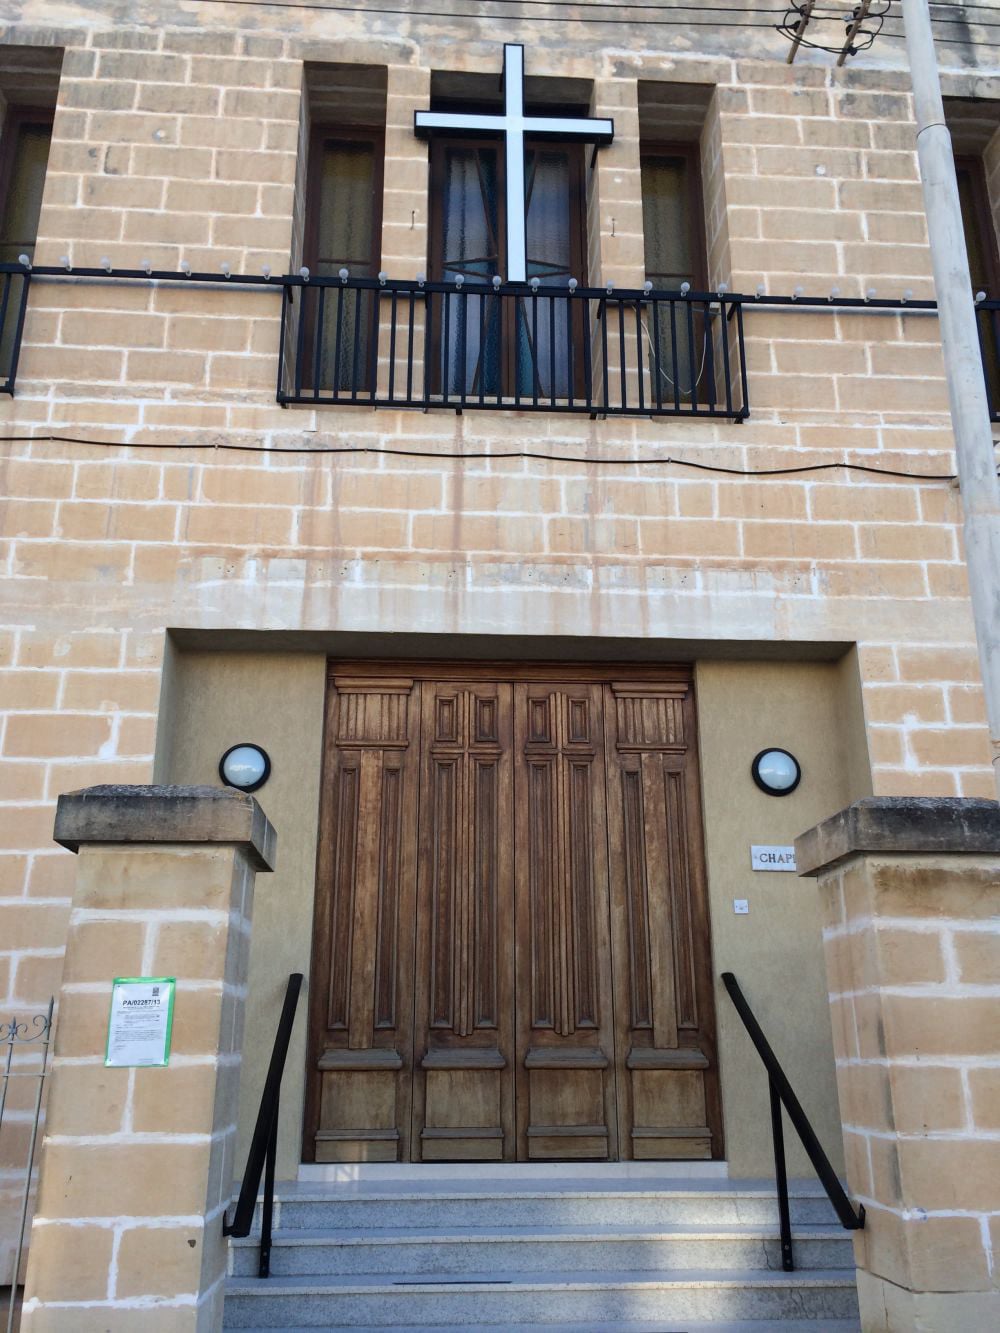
<point x="558" y="1173"/>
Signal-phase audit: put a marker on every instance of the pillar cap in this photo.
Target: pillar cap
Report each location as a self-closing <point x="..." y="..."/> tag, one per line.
<point x="156" y="814"/>
<point x="928" y="825"/>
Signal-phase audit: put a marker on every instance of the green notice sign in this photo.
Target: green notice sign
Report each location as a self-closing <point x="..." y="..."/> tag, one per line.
<point x="140" y="1022"/>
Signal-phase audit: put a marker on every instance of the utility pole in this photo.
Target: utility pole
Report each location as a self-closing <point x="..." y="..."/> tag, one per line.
<point x="970" y="416"/>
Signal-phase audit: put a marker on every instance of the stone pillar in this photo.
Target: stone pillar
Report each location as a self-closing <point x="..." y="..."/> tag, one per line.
<point x="911" y="896"/>
<point x="137" y="1164"/>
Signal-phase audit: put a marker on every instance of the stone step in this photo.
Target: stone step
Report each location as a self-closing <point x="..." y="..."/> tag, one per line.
<point x="429" y="1251"/>
<point x="560" y="1299"/>
<point x="716" y="1205"/>
<point x="618" y="1327"/>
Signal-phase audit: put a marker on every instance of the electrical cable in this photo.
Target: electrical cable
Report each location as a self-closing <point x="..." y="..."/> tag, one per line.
<point x="479" y="455"/>
<point x="451" y="14"/>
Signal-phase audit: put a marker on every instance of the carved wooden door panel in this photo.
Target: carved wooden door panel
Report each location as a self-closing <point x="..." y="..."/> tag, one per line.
<point x="511" y="953"/>
<point x="361" y="987"/>
<point x="463" y="1099"/>
<point x="668" y="1100"/>
<point x="565" y="1032"/>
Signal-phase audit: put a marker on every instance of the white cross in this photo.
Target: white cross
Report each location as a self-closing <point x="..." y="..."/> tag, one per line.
<point x="514" y="125"/>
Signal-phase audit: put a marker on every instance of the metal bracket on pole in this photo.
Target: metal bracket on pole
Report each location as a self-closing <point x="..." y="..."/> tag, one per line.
<point x="805" y="14"/>
<point x="860" y="14"/>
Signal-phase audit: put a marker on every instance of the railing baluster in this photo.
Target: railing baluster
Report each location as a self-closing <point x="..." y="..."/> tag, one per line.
<point x="552" y="350"/>
<point x="318" y="349"/>
<point x="604" y="349"/>
<point x="481" y="357"/>
<point x="691" y="354"/>
<point x="375" y="306"/>
<point x="446" y="345"/>
<point x="726" y="353"/>
<point x="8" y="278"/>
<point x="300" y="343"/>
<point x="286" y="306"/>
<point x="409" y="350"/>
<point x="655" y="358"/>
<point x="674" y="358"/>
<point x="639" y="355"/>
<point x="430" y="369"/>
<point x="623" y="370"/>
<point x="393" y="312"/>
<point x="356" y="359"/>
<point x="338" y="342"/>
<point x="588" y="354"/>
<point x="534" y="349"/>
<point x="463" y="347"/>
<point x="707" y="317"/>
<point x="570" y="358"/>
<point x="744" y="390"/>
<point x="781" y="1179"/>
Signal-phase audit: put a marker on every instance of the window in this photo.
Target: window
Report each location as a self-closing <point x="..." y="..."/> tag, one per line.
<point x="24" y="155"/>
<point x="674" y="234"/>
<point x="330" y="334"/>
<point x="984" y="264"/>
<point x="505" y="346"/>
<point x="344" y="230"/>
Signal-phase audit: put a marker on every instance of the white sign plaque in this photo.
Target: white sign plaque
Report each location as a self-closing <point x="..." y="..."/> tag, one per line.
<point x="142" y="1015"/>
<point x="772" y="858"/>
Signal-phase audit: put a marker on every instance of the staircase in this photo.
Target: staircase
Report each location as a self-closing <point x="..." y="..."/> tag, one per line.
<point x="630" y="1256"/>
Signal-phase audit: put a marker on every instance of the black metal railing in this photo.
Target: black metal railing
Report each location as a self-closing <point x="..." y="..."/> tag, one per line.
<point x="988" y="319"/>
<point x="14" y="282"/>
<point x="466" y="345"/>
<point x="264" y="1144"/>
<point x="782" y="1095"/>
<point x="593" y="350"/>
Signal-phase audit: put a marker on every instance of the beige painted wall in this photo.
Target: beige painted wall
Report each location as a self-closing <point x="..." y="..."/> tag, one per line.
<point x="214" y="700"/>
<point x="776" y="951"/>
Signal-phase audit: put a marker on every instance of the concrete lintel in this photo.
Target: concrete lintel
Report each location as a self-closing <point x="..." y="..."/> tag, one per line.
<point x="928" y="825"/>
<point x="161" y="814"/>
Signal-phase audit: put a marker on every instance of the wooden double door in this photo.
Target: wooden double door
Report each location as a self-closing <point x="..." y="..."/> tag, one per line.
<point x="511" y="953"/>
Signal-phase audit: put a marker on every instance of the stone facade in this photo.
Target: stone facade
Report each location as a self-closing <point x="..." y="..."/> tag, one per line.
<point x="137" y="1164"/>
<point x="146" y="491"/>
<point x="911" y="893"/>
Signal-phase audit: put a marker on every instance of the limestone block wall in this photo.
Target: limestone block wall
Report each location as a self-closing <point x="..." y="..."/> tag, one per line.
<point x="150" y="482"/>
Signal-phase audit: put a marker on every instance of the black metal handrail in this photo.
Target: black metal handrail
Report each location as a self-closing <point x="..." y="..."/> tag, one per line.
<point x="264" y="1144"/>
<point x="782" y="1095"/>
<point x="462" y="344"/>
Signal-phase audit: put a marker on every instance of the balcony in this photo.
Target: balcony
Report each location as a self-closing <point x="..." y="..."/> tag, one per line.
<point x="408" y="344"/>
<point x="532" y="348"/>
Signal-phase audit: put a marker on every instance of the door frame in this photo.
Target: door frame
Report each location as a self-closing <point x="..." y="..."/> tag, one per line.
<point x="520" y="671"/>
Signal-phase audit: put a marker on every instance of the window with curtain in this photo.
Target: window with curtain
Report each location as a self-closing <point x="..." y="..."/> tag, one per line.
<point x="674" y="233"/>
<point x="344" y="225"/>
<point x="24" y="155"/>
<point x="498" y="345"/>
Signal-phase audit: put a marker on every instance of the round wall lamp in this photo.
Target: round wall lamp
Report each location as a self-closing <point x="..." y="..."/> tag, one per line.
<point x="245" y="766"/>
<point x="776" y="772"/>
